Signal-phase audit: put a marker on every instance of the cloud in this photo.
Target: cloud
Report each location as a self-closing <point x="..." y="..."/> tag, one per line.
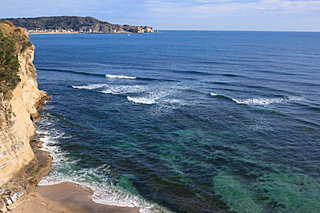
<point x="180" y="14"/>
<point x="213" y="8"/>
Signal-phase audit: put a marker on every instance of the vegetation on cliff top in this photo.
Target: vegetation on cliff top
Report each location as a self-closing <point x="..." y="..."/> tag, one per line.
<point x="13" y="40"/>
<point x="9" y="64"/>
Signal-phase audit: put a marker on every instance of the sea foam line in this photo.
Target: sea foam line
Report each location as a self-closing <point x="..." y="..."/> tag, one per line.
<point x="265" y="101"/>
<point x="260" y="101"/>
<point x="140" y="94"/>
<point x="120" y="76"/>
<point x="141" y="100"/>
<point x="153" y="96"/>
<point x="102" y="194"/>
<point x="115" y="89"/>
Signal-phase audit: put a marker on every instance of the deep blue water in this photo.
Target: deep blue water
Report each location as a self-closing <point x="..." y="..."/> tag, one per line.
<point x="202" y="122"/>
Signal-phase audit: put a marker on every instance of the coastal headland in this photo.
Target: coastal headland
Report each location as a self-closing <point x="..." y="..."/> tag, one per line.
<point x="74" y="24"/>
<point x="22" y="161"/>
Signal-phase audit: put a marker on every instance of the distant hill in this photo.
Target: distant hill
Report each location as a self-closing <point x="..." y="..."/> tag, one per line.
<point x="74" y="24"/>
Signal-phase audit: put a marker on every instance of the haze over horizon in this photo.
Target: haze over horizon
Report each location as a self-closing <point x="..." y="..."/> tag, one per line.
<point x="265" y="15"/>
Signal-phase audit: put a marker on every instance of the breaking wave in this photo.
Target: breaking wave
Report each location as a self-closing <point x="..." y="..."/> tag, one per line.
<point x="120" y="76"/>
<point x="104" y="191"/>
<point x="138" y="94"/>
<point x="259" y="101"/>
<point x="141" y="100"/>
<point x="124" y="89"/>
<point x="266" y="101"/>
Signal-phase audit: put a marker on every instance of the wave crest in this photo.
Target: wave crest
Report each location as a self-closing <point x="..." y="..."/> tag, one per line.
<point x="141" y="100"/>
<point x="265" y="101"/>
<point x="90" y="86"/>
<point x="120" y="76"/>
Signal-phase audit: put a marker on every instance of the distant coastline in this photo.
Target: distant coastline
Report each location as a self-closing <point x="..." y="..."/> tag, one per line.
<point x="73" y="32"/>
<point x="44" y="32"/>
<point x="74" y="24"/>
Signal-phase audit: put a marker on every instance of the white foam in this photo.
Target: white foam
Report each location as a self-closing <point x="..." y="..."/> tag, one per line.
<point x="104" y="192"/>
<point x="115" y="89"/>
<point x="107" y="195"/>
<point x="213" y="94"/>
<point x="141" y="100"/>
<point x="120" y="76"/>
<point x="125" y="89"/>
<point x="90" y="86"/>
<point x="153" y="95"/>
<point x="266" y="101"/>
<point x="143" y="94"/>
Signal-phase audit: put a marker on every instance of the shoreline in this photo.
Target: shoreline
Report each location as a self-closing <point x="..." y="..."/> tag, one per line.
<point x="64" y="197"/>
<point x="44" y="33"/>
<point x="29" y="33"/>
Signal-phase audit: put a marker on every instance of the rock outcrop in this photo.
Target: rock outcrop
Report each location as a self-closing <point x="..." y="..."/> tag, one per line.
<point x="19" y="165"/>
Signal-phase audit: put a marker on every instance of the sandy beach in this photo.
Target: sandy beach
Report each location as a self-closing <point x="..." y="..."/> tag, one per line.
<point x="66" y="198"/>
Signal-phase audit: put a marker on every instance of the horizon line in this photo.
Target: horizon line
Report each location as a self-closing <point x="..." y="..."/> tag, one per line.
<point x="155" y="28"/>
<point x="245" y="30"/>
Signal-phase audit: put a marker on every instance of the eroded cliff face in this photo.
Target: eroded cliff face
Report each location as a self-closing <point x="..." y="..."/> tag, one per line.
<point x="145" y="30"/>
<point x="18" y="110"/>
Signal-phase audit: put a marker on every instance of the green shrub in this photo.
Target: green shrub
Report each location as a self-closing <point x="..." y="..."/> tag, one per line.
<point x="9" y="64"/>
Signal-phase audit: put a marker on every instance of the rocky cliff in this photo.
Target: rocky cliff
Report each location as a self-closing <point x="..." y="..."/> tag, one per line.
<point x="19" y="100"/>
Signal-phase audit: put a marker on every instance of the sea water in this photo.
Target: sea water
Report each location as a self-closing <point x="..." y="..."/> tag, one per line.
<point x="185" y="121"/>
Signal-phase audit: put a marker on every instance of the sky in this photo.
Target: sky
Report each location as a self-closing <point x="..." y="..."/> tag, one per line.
<point x="265" y="15"/>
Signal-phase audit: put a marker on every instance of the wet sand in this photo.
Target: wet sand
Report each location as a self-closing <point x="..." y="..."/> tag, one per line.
<point x="67" y="198"/>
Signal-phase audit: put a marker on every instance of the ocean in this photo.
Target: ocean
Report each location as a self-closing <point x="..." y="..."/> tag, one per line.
<point x="185" y="121"/>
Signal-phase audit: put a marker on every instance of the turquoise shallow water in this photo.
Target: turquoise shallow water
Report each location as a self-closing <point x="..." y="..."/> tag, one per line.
<point x="185" y="121"/>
